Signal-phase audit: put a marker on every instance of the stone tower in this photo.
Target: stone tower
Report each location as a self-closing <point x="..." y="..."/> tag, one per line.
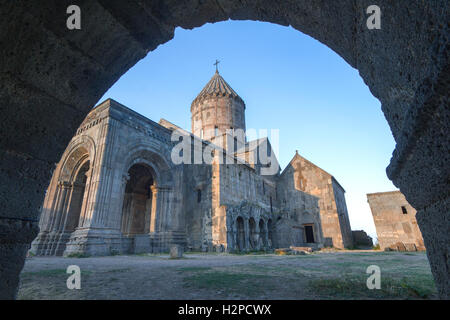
<point x="216" y="109"/>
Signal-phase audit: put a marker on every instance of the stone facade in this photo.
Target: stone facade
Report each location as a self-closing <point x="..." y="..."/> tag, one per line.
<point x="117" y="188"/>
<point x="395" y="221"/>
<point x="304" y="176"/>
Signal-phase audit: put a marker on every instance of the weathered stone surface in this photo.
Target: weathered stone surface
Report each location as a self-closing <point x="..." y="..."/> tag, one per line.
<point x="395" y="221"/>
<point x="176" y="252"/>
<point x="77" y="67"/>
<point x="15" y="238"/>
<point x="302" y="249"/>
<point x="309" y="179"/>
<point x="434" y="225"/>
<point x="410" y="247"/>
<point x="283" y="251"/>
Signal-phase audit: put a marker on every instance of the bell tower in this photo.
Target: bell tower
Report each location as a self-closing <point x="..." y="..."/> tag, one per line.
<point x="216" y="110"/>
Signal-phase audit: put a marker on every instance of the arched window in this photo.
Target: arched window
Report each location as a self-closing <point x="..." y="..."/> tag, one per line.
<point x="199" y="195"/>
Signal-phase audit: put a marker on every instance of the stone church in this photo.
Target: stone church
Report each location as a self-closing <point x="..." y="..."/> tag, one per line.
<point x="118" y="190"/>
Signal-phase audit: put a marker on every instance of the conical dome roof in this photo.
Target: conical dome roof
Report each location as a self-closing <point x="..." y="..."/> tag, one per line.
<point x="217" y="86"/>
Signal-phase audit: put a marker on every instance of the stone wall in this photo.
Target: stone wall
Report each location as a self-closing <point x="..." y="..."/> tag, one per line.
<point x="217" y="111"/>
<point x="395" y="220"/>
<point x="197" y="206"/>
<point x="341" y="207"/>
<point x="312" y="180"/>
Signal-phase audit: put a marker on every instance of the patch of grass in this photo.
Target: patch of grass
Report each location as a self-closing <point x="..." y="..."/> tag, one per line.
<point x="249" y="253"/>
<point x="243" y="283"/>
<point x="238" y="253"/>
<point x="194" y="252"/>
<point x="46" y="273"/>
<point x="193" y="269"/>
<point x="349" y="265"/>
<point x="118" y="270"/>
<point x="77" y="255"/>
<point x="348" y="287"/>
<point x="204" y="252"/>
<point x="52" y="273"/>
<point x="257" y="252"/>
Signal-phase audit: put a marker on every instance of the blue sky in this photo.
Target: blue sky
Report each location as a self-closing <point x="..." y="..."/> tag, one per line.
<point x="290" y="82"/>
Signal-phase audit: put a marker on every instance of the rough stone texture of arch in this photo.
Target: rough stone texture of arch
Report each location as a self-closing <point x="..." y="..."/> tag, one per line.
<point x="50" y="77"/>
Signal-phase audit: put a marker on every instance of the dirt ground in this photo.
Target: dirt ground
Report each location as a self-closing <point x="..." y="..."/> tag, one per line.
<point x="321" y="275"/>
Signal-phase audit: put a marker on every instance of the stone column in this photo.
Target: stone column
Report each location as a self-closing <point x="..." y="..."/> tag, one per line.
<point x="266" y="236"/>
<point x="161" y="218"/>
<point x="84" y="204"/>
<point x="120" y="222"/>
<point x="39" y="244"/>
<point x="154" y="209"/>
<point x="63" y="188"/>
<point x="256" y="238"/>
<point x="164" y="208"/>
<point x="246" y="235"/>
<point x="63" y="235"/>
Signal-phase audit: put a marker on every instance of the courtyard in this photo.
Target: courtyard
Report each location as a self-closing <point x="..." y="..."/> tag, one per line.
<point x="320" y="275"/>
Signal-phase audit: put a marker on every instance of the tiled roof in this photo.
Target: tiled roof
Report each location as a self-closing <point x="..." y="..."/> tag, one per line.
<point x="217" y="86"/>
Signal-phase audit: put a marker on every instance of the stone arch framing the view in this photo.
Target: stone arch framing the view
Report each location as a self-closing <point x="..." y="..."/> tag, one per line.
<point x="51" y="77"/>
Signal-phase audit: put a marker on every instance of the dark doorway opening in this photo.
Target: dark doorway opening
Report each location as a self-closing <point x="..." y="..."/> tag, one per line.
<point x="309" y="233"/>
<point x="240" y="234"/>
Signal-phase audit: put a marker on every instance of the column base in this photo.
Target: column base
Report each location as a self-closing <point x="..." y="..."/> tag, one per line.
<point x="94" y="242"/>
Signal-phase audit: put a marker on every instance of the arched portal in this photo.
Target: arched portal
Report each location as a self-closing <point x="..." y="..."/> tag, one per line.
<point x="240" y="234"/>
<point x="76" y="204"/>
<point x="77" y="198"/>
<point x="65" y="202"/>
<point x="139" y="204"/>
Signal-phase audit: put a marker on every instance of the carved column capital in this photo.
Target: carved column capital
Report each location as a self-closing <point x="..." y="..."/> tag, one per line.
<point x="154" y="189"/>
<point x="88" y="173"/>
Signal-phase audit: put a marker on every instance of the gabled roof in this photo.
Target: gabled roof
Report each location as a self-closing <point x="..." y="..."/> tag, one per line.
<point x="253" y="145"/>
<point x="217" y="86"/>
<point x="297" y="156"/>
